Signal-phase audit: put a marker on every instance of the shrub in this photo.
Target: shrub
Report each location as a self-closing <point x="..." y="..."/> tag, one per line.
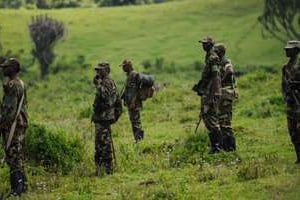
<point x="11" y="3"/>
<point x="52" y="149"/>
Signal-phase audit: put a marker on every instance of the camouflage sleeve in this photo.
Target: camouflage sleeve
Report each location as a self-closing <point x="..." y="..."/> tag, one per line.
<point x="213" y="62"/>
<point x="104" y="89"/>
<point x="284" y="82"/>
<point x="11" y="102"/>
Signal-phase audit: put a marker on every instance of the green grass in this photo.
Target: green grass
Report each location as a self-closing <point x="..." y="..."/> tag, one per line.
<point x="147" y="170"/>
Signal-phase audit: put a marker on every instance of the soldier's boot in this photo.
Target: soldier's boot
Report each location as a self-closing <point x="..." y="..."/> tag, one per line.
<point x="18" y="183"/>
<point x="138" y="135"/>
<point x="229" y="142"/>
<point x="232" y="144"/>
<point x="297" y="149"/>
<point x="25" y="182"/>
<point x="215" y="142"/>
<point x="108" y="168"/>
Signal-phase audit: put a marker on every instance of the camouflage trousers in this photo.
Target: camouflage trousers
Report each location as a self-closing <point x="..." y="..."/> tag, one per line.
<point x="103" y="148"/>
<point x="294" y="129"/>
<point x="136" y="125"/>
<point x="14" y="155"/>
<point x="225" y="118"/>
<point x="209" y="114"/>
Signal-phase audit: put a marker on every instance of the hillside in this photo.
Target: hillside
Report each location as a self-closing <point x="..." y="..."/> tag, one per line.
<point x="172" y="162"/>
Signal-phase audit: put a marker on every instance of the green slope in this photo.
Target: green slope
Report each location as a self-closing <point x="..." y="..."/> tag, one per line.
<point x="147" y="170"/>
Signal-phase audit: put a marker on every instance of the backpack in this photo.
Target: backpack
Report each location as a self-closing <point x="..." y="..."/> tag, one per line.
<point x="146" y="86"/>
<point x="118" y="107"/>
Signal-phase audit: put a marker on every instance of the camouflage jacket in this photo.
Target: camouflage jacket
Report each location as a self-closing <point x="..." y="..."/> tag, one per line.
<point x="211" y="77"/>
<point x="228" y="81"/>
<point x="105" y="99"/>
<point x="131" y="92"/>
<point x="13" y="92"/>
<point x="291" y="86"/>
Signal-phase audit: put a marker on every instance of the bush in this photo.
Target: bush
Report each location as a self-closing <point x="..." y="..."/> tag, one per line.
<point x="52" y="149"/>
<point x="11" y="3"/>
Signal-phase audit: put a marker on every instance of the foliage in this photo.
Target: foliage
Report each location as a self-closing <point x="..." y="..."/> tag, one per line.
<point x="125" y="2"/>
<point x="11" y="3"/>
<point x="52" y="149"/>
<point x="281" y="19"/>
<point x="45" y="32"/>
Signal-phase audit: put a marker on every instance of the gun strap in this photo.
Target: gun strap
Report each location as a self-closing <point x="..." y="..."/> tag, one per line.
<point x="13" y="127"/>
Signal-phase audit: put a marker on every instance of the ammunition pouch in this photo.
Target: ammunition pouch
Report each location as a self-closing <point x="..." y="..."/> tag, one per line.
<point x="229" y="94"/>
<point x="198" y="88"/>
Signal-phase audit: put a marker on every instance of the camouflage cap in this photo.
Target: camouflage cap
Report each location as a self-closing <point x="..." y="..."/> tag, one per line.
<point x="220" y="48"/>
<point x="102" y="65"/>
<point x="126" y="62"/>
<point x="292" y="44"/>
<point x="12" y="62"/>
<point x="207" y="39"/>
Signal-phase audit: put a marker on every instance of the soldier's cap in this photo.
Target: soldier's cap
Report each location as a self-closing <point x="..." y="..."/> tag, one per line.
<point x="292" y="44"/>
<point x="126" y="62"/>
<point x="12" y="62"/>
<point x="102" y="65"/>
<point x="207" y="39"/>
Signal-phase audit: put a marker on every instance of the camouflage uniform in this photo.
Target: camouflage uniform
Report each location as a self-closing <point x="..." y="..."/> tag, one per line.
<point x="211" y="90"/>
<point x="103" y="117"/>
<point x="14" y="89"/>
<point x="226" y="102"/>
<point x="134" y="103"/>
<point x="291" y="93"/>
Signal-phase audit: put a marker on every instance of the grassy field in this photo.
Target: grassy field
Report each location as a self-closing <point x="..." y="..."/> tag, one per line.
<point x="172" y="162"/>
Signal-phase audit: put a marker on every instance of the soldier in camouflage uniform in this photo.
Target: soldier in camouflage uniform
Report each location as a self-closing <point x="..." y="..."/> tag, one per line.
<point x="229" y="94"/>
<point x="13" y="111"/>
<point x="103" y="117"/>
<point x="132" y="100"/>
<point x="210" y="91"/>
<point x="291" y="93"/>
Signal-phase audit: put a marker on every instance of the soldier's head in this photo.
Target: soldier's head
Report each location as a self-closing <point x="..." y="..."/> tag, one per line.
<point x="207" y="43"/>
<point x="220" y="50"/>
<point x="102" y="69"/>
<point x="11" y="67"/>
<point x="126" y="65"/>
<point x="292" y="48"/>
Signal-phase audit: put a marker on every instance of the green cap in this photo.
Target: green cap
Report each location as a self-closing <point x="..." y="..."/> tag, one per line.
<point x="12" y="62"/>
<point x="207" y="39"/>
<point x="126" y="62"/>
<point x="102" y="65"/>
<point x="292" y="44"/>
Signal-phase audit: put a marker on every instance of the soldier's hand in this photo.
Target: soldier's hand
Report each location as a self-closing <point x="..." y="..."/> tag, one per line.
<point x="97" y="81"/>
<point x="216" y="99"/>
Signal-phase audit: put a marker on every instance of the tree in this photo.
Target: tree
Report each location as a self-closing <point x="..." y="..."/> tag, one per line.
<point x="281" y="18"/>
<point x="45" y="32"/>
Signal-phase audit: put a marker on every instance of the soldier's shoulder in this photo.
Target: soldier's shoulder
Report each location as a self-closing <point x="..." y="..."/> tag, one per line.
<point x="109" y="82"/>
<point x="14" y="83"/>
<point x="227" y="61"/>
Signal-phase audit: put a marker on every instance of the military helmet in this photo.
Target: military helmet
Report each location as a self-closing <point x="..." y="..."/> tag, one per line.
<point x="126" y="62"/>
<point x="12" y="62"/>
<point x="292" y="44"/>
<point x="220" y="48"/>
<point x="207" y="39"/>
